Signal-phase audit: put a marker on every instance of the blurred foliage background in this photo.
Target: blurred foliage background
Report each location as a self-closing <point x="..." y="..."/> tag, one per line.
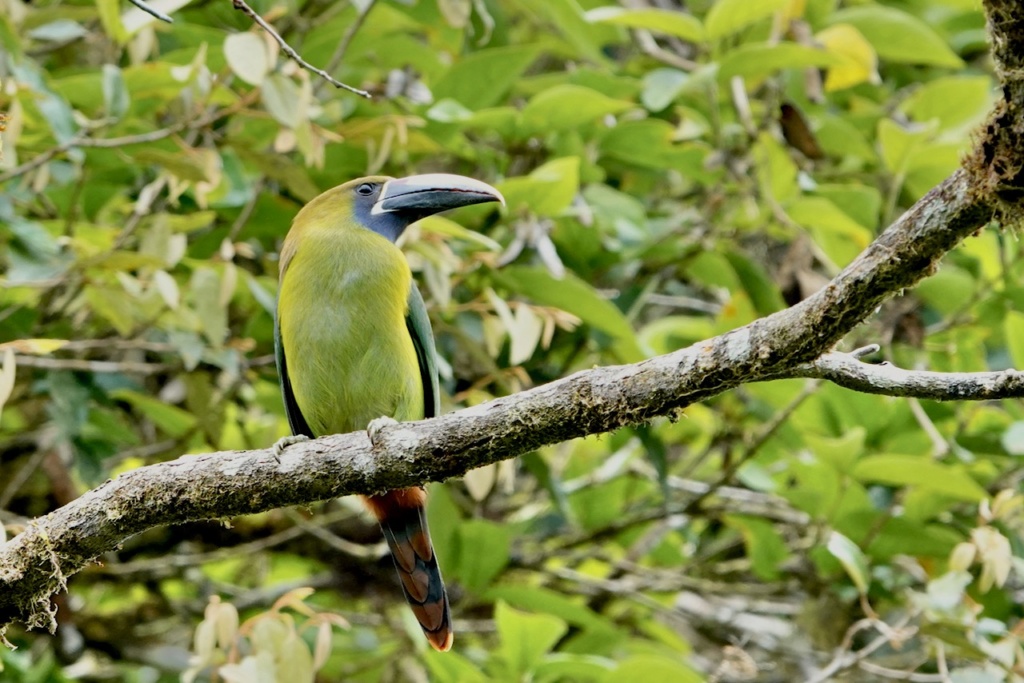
<point x="673" y="170"/>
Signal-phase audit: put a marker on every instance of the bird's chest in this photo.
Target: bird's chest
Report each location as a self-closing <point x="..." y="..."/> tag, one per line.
<point x="342" y="315"/>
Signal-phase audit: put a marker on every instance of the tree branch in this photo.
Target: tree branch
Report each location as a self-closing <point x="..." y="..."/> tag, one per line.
<point x="887" y="379"/>
<point x="36" y="563"/>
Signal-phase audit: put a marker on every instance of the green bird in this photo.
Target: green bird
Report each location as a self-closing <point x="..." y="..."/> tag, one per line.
<point x="353" y="344"/>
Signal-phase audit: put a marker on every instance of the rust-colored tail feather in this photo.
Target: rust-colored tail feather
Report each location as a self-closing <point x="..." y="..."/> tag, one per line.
<point x="403" y="519"/>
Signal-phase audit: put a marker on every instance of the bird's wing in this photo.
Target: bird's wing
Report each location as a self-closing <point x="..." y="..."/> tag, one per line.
<point x="291" y="406"/>
<point x="418" y="323"/>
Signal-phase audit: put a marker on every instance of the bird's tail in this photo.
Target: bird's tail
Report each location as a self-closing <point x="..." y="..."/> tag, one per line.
<point x="402" y="517"/>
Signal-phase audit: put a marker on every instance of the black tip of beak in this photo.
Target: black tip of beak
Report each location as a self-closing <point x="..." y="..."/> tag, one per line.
<point x="424" y="195"/>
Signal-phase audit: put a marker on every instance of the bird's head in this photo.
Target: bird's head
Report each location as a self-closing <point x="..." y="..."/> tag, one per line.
<point x="388" y="206"/>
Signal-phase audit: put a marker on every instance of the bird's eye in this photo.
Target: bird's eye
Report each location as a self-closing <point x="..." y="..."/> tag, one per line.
<point x="366" y="189"/>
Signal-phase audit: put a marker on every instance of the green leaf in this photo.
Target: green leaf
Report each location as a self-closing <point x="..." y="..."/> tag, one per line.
<point x="538" y="599"/>
<point x="1013" y="327"/>
<point x="566" y="17"/>
<point x="567" y="107"/>
<point x="949" y="290"/>
<point x="755" y="61"/>
<point x="579" y="298"/>
<point x="650" y="668"/>
<point x="671" y="332"/>
<point x="559" y="667"/>
<point x="765" y="547"/>
<point x="482" y="78"/>
<point x="283" y="100"/>
<point x="763" y="292"/>
<point x="955" y="101"/>
<point x="111" y="305"/>
<point x="120" y="260"/>
<point x="729" y="16"/>
<point x="205" y="295"/>
<point x="525" y="638"/>
<point x="110" y="17"/>
<point x="841" y="237"/>
<point x="115" y="95"/>
<point x="776" y="169"/>
<point x="650" y="144"/>
<point x="852" y="559"/>
<point x="898" y="36"/>
<point x="930" y="164"/>
<point x="547" y="191"/>
<point x="921" y="471"/>
<point x="899" y="143"/>
<point x="193" y="165"/>
<point x="678" y="24"/>
<point x="662" y="87"/>
<point x="839" y="137"/>
<point x="59" y="31"/>
<point x="597" y="506"/>
<point x="449" y="111"/>
<point x="481" y="552"/>
<point x="171" y="419"/>
<point x="452" y="667"/>
<point x="841" y="452"/>
<point x="863" y="203"/>
<point x="439" y="225"/>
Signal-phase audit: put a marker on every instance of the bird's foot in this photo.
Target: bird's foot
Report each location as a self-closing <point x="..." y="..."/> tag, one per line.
<point x="373" y="429"/>
<point x="284" y="442"/>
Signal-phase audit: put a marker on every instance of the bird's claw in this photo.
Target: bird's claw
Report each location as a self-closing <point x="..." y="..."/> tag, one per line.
<point x="284" y="442"/>
<point x="373" y="429"/>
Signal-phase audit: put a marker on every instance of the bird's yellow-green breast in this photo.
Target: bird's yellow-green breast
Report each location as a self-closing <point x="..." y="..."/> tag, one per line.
<point x="342" y="305"/>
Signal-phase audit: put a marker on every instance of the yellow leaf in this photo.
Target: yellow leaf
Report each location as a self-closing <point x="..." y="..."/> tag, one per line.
<point x="859" y="60"/>
<point x="38" y="347"/>
<point x="795" y="10"/>
<point x="110" y="18"/>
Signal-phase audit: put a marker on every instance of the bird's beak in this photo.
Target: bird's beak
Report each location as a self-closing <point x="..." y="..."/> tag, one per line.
<point x="430" y="193"/>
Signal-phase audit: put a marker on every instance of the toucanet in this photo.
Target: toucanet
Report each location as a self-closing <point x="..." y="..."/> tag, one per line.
<point x="354" y="344"/>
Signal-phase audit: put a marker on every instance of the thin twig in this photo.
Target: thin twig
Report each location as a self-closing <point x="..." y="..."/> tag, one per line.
<point x="21" y="476"/>
<point x="846" y="658"/>
<point x="148" y="9"/>
<point x="768" y="430"/>
<point x="346" y="40"/>
<point x="940" y="447"/>
<point x="243" y="7"/>
<point x="899" y="675"/>
<point x="650" y="47"/>
<point x="373" y="551"/>
<point x="162" y="565"/>
<point x="100" y="366"/>
<point x="246" y="213"/>
<point x="83" y="140"/>
<point x="114" y="344"/>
